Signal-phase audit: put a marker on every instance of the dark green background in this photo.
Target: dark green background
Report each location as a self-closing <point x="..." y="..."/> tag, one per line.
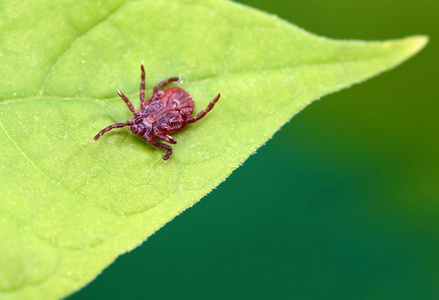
<point x="343" y="202"/>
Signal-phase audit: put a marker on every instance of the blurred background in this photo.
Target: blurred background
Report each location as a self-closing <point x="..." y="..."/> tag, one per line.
<point x="343" y="202"/>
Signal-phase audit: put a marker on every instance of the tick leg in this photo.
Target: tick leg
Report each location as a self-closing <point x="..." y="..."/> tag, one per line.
<point x="204" y="111"/>
<point x="117" y="125"/>
<point x="142" y="86"/>
<point x="161" y="145"/>
<point x="165" y="82"/>
<point x="130" y="106"/>
<point x="167" y="138"/>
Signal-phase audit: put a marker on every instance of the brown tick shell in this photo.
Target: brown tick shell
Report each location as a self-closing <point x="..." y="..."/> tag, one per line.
<point x="168" y="106"/>
<point x="170" y="101"/>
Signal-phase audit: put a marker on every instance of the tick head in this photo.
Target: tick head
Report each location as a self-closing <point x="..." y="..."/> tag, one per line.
<point x="140" y="128"/>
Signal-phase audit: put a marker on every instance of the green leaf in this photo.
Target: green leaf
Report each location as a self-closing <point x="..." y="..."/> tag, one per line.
<point x="69" y="206"/>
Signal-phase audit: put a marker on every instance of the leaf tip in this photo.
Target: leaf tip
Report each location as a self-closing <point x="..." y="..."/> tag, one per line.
<point x="405" y="48"/>
<point x="416" y="43"/>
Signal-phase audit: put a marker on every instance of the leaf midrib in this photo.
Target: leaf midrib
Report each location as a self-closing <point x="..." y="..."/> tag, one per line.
<point x="196" y="81"/>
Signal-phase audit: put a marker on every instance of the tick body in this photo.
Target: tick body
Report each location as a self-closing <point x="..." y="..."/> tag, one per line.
<point x="166" y="112"/>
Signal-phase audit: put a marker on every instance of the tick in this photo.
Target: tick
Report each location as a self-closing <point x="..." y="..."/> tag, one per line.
<point x="167" y="111"/>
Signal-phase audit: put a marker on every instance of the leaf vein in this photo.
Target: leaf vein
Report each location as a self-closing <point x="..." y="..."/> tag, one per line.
<point x="70" y="46"/>
<point x="22" y="153"/>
